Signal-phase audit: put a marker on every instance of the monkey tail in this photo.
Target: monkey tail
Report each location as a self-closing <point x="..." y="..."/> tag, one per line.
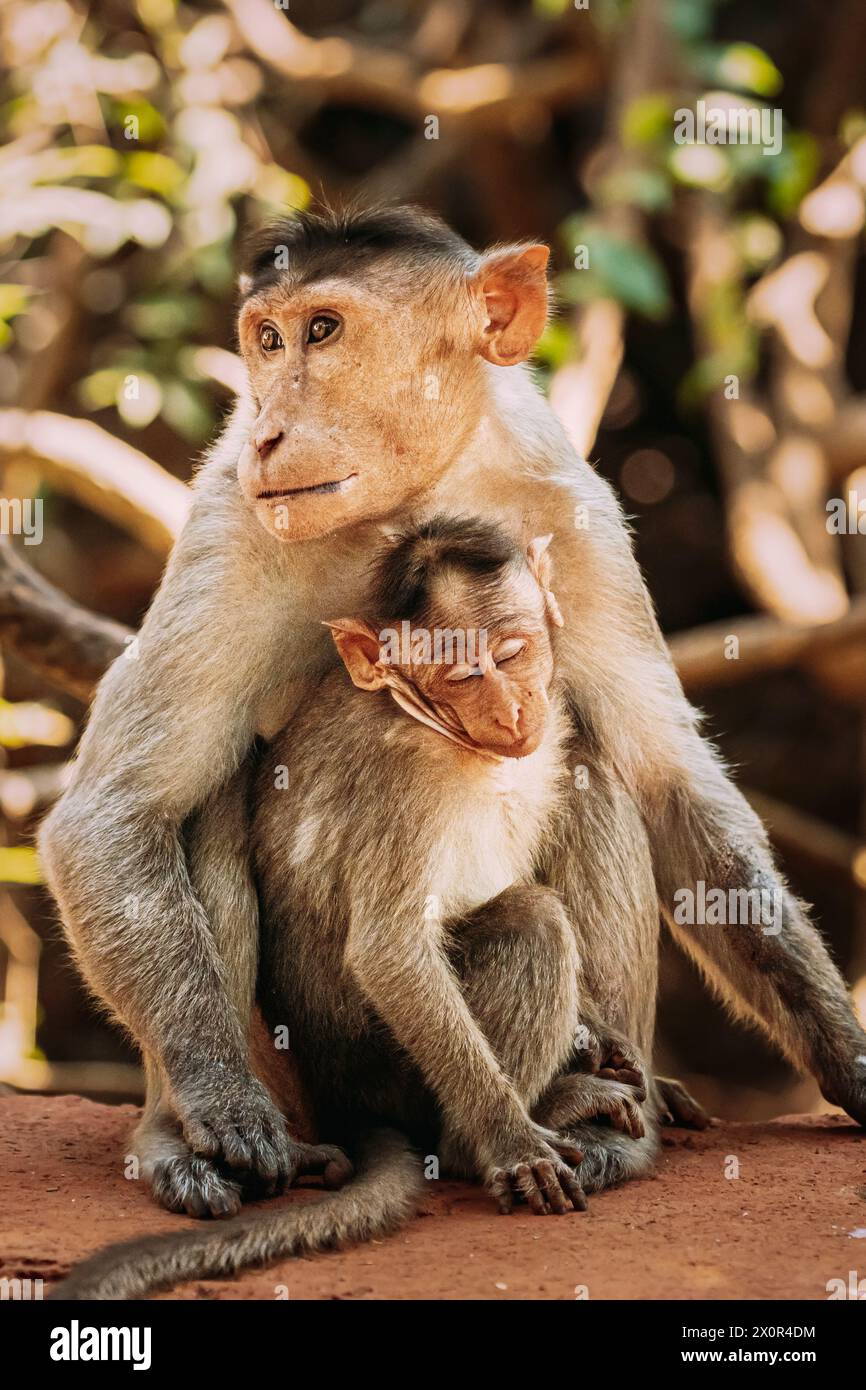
<point x="380" y="1198"/>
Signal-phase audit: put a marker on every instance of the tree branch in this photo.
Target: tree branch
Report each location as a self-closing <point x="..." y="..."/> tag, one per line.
<point x="102" y="472"/>
<point x="66" y="644"/>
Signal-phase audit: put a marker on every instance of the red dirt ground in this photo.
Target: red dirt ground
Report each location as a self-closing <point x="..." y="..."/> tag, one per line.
<point x="793" y="1219"/>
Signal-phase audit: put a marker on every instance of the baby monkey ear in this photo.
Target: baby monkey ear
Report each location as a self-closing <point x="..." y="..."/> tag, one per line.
<point x="358" y="646"/>
<point x="538" y="561"/>
<point x="513" y="285"/>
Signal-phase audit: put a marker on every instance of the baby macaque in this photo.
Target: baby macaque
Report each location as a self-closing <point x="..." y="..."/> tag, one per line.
<point x="428" y="982"/>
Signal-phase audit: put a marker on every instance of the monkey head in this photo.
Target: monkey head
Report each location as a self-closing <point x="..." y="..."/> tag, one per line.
<point x="365" y="341"/>
<point x="474" y="658"/>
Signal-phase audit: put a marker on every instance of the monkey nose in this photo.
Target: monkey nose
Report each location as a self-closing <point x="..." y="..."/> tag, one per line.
<point x="266" y="440"/>
<point x="511" y="720"/>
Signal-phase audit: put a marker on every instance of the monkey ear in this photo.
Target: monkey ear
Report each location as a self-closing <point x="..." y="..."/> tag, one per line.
<point x="538" y="561"/>
<point x="245" y="284"/>
<point x="513" y="285"/>
<point x="358" y="646"/>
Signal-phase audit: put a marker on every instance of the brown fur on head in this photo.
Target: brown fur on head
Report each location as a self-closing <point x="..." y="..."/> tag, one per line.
<point x="491" y="665"/>
<point x="352" y="326"/>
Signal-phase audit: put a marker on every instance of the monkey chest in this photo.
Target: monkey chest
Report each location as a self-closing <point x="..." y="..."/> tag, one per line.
<point x="491" y="845"/>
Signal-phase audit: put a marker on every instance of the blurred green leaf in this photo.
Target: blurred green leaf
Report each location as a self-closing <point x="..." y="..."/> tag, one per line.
<point x="744" y="67"/>
<point x="98" y="390"/>
<point x="280" y="189"/>
<point x="649" y="189"/>
<point x="691" y="19"/>
<point x="551" y="9"/>
<point x="792" y="172"/>
<point x="155" y="172"/>
<point x="617" y="269"/>
<point x="701" y="166"/>
<point x="145" y="118"/>
<point x="170" y="314"/>
<point x="647" y="119"/>
<point x="555" y="345"/>
<point x="76" y="162"/>
<point x="187" y="410"/>
<point x="19" y="864"/>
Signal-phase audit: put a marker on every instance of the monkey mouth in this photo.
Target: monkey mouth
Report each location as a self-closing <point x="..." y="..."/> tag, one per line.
<point x="276" y="494"/>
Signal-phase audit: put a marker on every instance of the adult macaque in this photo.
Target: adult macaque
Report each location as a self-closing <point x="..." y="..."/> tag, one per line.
<point x="426" y="981"/>
<point x="385" y="379"/>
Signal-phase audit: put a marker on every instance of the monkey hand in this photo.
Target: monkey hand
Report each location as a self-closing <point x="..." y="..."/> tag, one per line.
<point x="536" y="1172"/>
<point x="235" y="1121"/>
<point x="606" y="1053"/>
<point x="577" y="1096"/>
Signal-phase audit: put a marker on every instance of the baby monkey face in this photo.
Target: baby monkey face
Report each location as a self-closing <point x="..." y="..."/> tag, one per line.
<point x="478" y="664"/>
<point x="500" y="696"/>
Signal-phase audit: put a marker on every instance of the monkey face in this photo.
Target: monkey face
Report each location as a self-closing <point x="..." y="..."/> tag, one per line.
<point x="502" y="703"/>
<point x="368" y="388"/>
<point x="484" y="678"/>
<point x="360" y="405"/>
<point x="499" y="694"/>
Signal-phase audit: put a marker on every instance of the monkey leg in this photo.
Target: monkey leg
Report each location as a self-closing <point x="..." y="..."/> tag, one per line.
<point x="598" y="860"/>
<point x="181" y="1178"/>
<point x="517" y="963"/>
<point x="517" y="960"/>
<point x="217" y="852"/>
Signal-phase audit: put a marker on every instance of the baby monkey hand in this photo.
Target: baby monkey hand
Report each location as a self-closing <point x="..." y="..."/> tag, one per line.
<point x="536" y="1173"/>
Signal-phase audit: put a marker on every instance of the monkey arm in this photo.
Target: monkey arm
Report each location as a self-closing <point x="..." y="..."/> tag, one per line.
<point x="398" y="961"/>
<point x="637" y="726"/>
<point x="755" y="945"/>
<point x="171" y="721"/>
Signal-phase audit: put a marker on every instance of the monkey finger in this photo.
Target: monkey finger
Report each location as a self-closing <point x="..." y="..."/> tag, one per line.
<point x="500" y="1190"/>
<point x="526" y="1184"/>
<point x="273" y="1157"/>
<point x="588" y="1052"/>
<point x="634" y="1124"/>
<point x="335" y="1166"/>
<point x="548" y="1180"/>
<point x="236" y="1151"/>
<point x="574" y="1190"/>
<point x="567" y="1150"/>
<point x="627" y="1076"/>
<point x="201" y="1138"/>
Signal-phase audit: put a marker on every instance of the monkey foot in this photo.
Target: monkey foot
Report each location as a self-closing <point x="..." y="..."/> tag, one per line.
<point x="677" y="1107"/>
<point x="848" y="1089"/>
<point x="193" y="1185"/>
<point x="577" y="1097"/>
<point x="608" y="1054"/>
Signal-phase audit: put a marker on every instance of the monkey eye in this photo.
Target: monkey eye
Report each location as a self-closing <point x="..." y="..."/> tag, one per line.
<point x="506" y="650"/>
<point x="322" y="326"/>
<point x="269" y="338"/>
<point x="461" y="671"/>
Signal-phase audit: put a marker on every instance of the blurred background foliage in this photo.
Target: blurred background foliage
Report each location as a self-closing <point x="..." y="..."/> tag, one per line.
<point x="143" y="140"/>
